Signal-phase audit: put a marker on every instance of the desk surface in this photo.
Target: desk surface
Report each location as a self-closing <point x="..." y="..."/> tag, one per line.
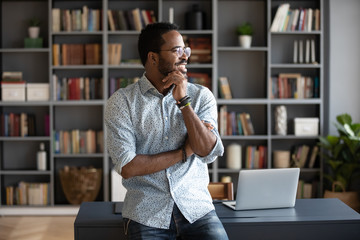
<point x="305" y="210"/>
<point x="329" y="218"/>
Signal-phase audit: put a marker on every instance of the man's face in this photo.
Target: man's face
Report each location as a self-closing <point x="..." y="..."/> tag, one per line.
<point x="169" y="60"/>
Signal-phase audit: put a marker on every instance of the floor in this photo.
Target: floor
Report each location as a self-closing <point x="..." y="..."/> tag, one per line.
<point x="37" y="228"/>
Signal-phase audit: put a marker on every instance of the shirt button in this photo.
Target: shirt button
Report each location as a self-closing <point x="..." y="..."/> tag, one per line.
<point x="169" y="175"/>
<point x="166" y="118"/>
<point x="166" y="138"/>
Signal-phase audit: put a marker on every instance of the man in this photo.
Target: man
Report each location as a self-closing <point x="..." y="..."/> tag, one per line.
<point x="161" y="137"/>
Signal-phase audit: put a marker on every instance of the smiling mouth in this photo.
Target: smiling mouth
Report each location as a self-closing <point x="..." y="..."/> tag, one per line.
<point x="182" y="68"/>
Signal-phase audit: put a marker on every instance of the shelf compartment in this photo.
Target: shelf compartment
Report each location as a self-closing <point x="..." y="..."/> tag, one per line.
<point x="247" y="78"/>
<point x="296" y="111"/>
<point x="60" y="163"/>
<point x="27" y="62"/>
<point x="78" y="117"/>
<point x="180" y="9"/>
<point x="283" y="46"/>
<point x="24" y="159"/>
<point x="40" y="127"/>
<point x="258" y="118"/>
<point x="17" y="14"/>
<point x="234" y="13"/>
<point x="13" y="180"/>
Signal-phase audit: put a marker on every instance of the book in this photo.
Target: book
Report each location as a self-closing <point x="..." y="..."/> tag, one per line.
<point x="223" y="120"/>
<point x="301" y="47"/>
<point x="55" y="14"/>
<point x="304" y="151"/>
<point x="313" y="59"/>
<point x="244" y="124"/>
<point x="280" y="17"/>
<point x="295" y="19"/>
<point x="313" y="156"/>
<point x="309" y="20"/>
<point x="111" y="20"/>
<point x="224" y="88"/>
<point x="249" y="124"/>
<point x="307" y="51"/>
<point x="122" y="20"/>
<point x="295" y="52"/>
<point x="84" y="18"/>
<point x="137" y="19"/>
<point x="317" y="19"/>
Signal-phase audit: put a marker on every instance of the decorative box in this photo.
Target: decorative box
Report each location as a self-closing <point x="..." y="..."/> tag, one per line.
<point x="13" y="91"/>
<point x="37" y="91"/>
<point x="306" y="126"/>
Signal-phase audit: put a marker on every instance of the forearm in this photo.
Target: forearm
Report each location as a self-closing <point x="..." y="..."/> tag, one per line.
<point x="148" y="164"/>
<point x="201" y="140"/>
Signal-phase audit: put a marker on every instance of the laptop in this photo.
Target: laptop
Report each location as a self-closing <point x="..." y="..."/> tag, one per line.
<point x="266" y="189"/>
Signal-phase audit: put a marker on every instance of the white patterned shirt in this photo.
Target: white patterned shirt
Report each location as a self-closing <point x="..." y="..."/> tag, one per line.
<point x="140" y="120"/>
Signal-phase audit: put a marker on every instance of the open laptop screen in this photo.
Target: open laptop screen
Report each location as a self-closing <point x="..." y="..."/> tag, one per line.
<point x="266" y="188"/>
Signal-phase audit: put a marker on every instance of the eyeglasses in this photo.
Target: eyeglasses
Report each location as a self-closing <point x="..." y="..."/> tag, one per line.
<point x="180" y="51"/>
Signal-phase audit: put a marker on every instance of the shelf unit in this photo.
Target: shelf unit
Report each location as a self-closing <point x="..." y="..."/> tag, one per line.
<point x="247" y="69"/>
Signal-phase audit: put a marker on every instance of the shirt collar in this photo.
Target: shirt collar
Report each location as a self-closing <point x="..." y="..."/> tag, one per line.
<point x="146" y="85"/>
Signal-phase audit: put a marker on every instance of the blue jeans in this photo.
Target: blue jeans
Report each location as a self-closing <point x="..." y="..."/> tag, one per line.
<point x="208" y="227"/>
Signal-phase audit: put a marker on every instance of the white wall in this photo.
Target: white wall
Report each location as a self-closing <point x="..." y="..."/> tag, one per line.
<point x="344" y="60"/>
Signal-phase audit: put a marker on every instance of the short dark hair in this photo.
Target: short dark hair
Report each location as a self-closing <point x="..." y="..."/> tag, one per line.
<point x="150" y="39"/>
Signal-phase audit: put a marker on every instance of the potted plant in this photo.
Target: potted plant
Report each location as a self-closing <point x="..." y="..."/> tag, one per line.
<point x="245" y="32"/>
<point x="342" y="158"/>
<point x="34" y="27"/>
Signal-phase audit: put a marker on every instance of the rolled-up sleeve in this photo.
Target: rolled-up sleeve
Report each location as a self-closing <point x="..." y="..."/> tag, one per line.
<point x="121" y="141"/>
<point x="206" y="109"/>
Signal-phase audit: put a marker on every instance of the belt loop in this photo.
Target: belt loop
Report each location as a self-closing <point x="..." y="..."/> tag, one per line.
<point x="126" y="226"/>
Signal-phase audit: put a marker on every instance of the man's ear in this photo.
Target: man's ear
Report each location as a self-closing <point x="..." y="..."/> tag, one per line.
<point x="152" y="58"/>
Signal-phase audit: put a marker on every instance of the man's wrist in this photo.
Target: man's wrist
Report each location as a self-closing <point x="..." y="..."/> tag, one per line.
<point x="184" y="102"/>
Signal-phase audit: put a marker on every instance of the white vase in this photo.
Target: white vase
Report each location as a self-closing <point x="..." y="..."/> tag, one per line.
<point x="34" y="32"/>
<point x="245" y="41"/>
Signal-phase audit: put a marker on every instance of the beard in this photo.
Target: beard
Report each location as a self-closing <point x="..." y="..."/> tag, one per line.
<point x="165" y="67"/>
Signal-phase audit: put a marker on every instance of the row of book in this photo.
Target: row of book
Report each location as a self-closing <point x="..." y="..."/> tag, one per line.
<point x="27" y="193"/>
<point x="304" y="156"/>
<point x="233" y="123"/>
<point x="78" y="141"/>
<point x="301" y="19"/>
<point x="77" y="88"/>
<point x="121" y="82"/>
<point x="77" y="54"/>
<point x="85" y="19"/>
<point x="304" y="54"/>
<point x="255" y="157"/>
<point x="134" y="19"/>
<point x="294" y="85"/>
<point x="17" y="125"/>
<point x="307" y="190"/>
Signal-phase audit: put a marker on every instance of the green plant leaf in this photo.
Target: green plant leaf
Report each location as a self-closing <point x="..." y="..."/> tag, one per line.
<point x="344" y="118"/>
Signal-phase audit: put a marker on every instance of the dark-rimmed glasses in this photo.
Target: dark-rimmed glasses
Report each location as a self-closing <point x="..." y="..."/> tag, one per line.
<point x="180" y="51"/>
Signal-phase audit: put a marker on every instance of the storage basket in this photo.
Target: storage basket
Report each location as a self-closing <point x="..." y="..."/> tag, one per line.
<point x="80" y="184"/>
